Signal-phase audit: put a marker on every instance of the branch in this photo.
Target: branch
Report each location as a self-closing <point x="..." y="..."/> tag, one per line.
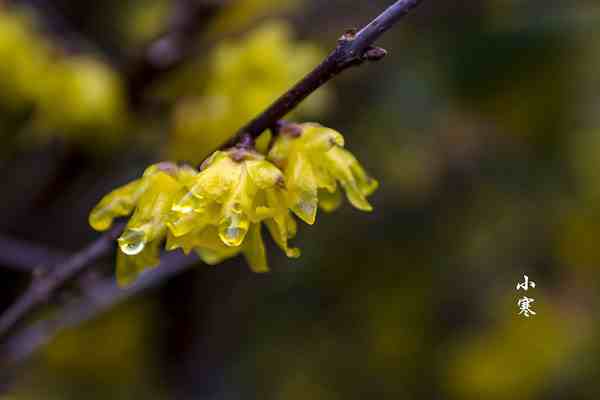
<point x="27" y="257"/>
<point x="352" y="49"/>
<point x="162" y="55"/>
<point x="172" y="48"/>
<point x="42" y="288"/>
<point x="99" y="296"/>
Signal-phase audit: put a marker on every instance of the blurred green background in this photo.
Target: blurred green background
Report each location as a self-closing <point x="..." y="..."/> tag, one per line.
<point x="482" y="125"/>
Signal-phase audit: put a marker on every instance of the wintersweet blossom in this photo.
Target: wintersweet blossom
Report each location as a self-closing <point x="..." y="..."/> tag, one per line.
<point x="219" y="210"/>
<point x="315" y="165"/>
<point x="150" y="199"/>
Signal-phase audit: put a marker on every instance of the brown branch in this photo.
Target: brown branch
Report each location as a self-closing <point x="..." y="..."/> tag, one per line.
<point x="43" y="287"/>
<point x="352" y="49"/>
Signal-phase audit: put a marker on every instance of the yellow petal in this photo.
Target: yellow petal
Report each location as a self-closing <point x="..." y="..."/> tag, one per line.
<point x="323" y="176"/>
<point x="177" y="242"/>
<point x="281" y="149"/>
<point x="254" y="250"/>
<point x="366" y="184"/>
<point x="207" y="244"/>
<point x="182" y="224"/>
<point x="347" y="170"/>
<point x="329" y="201"/>
<point x="212" y="257"/>
<point x="154" y="206"/>
<point x="186" y="175"/>
<point x="280" y="233"/>
<point x="317" y="138"/>
<point x="127" y="270"/>
<point x="264" y="174"/>
<point x="302" y="189"/>
<point x="129" y="267"/>
<point x="189" y="203"/>
<point x="233" y="229"/>
<point x="281" y="225"/>
<point x="262" y="142"/>
<point x="118" y="203"/>
<point x="217" y="179"/>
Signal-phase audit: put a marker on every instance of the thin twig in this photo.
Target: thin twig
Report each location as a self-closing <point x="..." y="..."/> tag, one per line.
<point x="43" y="287"/>
<point x="352" y="49"/>
<point x="98" y="297"/>
<point x="28" y="257"/>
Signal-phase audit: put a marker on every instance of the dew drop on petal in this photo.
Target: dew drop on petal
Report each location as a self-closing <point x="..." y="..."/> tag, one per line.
<point x="306" y="210"/>
<point x="233" y="229"/>
<point x="132" y="242"/>
<point x="182" y="224"/>
<point x="307" y="207"/>
<point x="187" y="204"/>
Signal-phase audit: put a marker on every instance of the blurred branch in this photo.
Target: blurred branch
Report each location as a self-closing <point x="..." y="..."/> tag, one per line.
<point x="172" y="48"/>
<point x="99" y="296"/>
<point x="27" y="257"/>
<point x="162" y="55"/>
<point x="57" y="26"/>
<point x="43" y="287"/>
<point x="352" y="49"/>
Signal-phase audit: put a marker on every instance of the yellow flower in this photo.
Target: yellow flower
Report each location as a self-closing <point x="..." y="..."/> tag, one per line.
<point x="207" y="244"/>
<point x="315" y="164"/>
<point x="234" y="192"/>
<point x="150" y="199"/>
<point x="218" y="212"/>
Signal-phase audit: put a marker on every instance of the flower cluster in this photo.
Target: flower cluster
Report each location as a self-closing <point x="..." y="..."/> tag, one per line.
<point x="218" y="211"/>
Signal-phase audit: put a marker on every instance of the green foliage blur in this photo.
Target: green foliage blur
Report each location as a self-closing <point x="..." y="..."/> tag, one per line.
<point x="482" y="127"/>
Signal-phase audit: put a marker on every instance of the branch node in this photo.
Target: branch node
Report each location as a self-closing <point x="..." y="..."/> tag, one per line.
<point x="348" y="36"/>
<point x="375" y="53"/>
<point x="277" y="126"/>
<point x="291" y="129"/>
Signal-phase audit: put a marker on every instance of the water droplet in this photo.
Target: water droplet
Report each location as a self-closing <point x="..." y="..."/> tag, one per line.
<point x="306" y="210"/>
<point x="132" y="241"/>
<point x="306" y="207"/>
<point x="182" y="224"/>
<point x="187" y="204"/>
<point x="233" y="229"/>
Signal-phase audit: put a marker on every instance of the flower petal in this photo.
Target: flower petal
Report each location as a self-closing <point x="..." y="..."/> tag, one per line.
<point x="343" y="166"/>
<point x="129" y="267"/>
<point x="302" y="189"/>
<point x="254" y="250"/>
<point x="118" y="203"/>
